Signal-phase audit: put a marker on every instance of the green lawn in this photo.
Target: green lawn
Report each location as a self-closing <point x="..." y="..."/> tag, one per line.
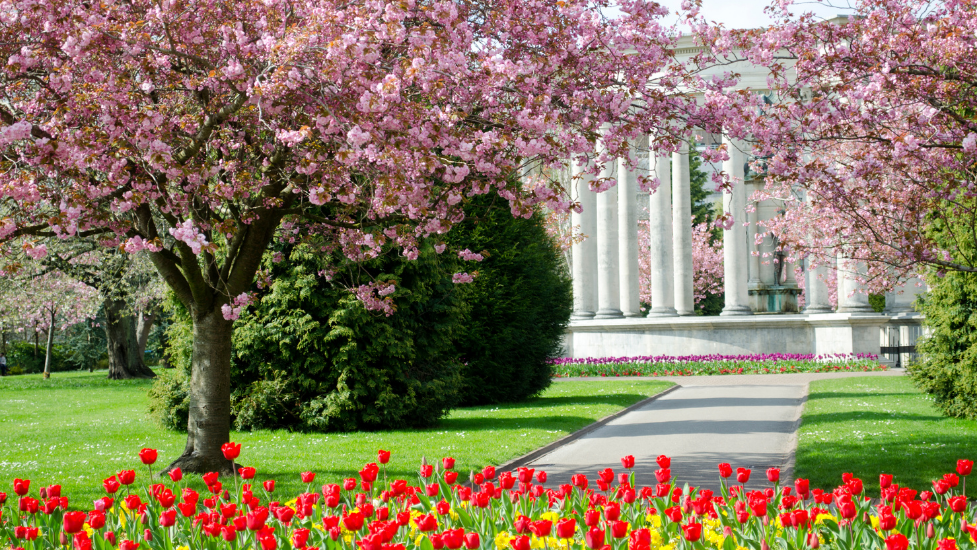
<point x="872" y="425"/>
<point x="79" y="428"/>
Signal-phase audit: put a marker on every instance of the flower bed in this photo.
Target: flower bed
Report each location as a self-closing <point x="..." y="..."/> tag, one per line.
<point x="697" y="365"/>
<point x="494" y="510"/>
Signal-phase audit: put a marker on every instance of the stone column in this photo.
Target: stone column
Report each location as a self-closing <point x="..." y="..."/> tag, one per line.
<point x="682" y="231"/>
<point x="735" y="249"/>
<point x="816" y="293"/>
<point x="660" y="233"/>
<point x="754" y="250"/>
<point x="627" y="232"/>
<point x="857" y="302"/>
<point x="608" y="259"/>
<point x="584" y="254"/>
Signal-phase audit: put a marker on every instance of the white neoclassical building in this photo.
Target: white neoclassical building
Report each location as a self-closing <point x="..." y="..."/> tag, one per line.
<point x="760" y="314"/>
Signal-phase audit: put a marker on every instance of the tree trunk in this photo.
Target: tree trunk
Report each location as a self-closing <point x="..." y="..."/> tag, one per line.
<point x="50" y="343"/>
<point x="125" y="360"/>
<point x="209" y="425"/>
<point x="144" y="325"/>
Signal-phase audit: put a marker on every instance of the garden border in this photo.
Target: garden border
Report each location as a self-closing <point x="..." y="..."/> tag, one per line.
<point x="790" y="461"/>
<point x="571" y="437"/>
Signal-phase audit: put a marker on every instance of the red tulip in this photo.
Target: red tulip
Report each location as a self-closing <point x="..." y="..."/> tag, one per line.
<point x="231" y="450"/>
<point x="148" y="456"/>
<point x="742" y="475"/>
<point x="111" y="485"/>
<point x="489" y="472"/>
<point x="640" y="540"/>
<point x="96" y="519"/>
<point x="188" y="509"/>
<point x="627" y="462"/>
<point x="369" y="472"/>
<point x="885" y="480"/>
<point x="472" y="541"/>
<point x="674" y="513"/>
<point x="540" y="476"/>
<point x="848" y="510"/>
<point x="269" y="485"/>
<point x="256" y="518"/>
<point x="958" y="504"/>
<point x="268" y="542"/>
<point x="692" y="532"/>
<point x="54" y="491"/>
<point x="175" y="474"/>
<point x="952" y="479"/>
<point x="247" y="472"/>
<point x="896" y="541"/>
<point x="128" y="545"/>
<point x="579" y="481"/>
<point x="72" y="522"/>
<point x="447" y="463"/>
<point x="964" y="466"/>
<point x="541" y="528"/>
<point x="947" y="544"/>
<point x="520" y="543"/>
<point x="453" y="538"/>
<point x="773" y="475"/>
<point x="619" y="529"/>
<point x="566" y="528"/>
<point x="167" y="518"/>
<point x="725" y="470"/>
<point x="940" y="486"/>
<point x="353" y="521"/>
<point x="450" y="477"/>
<point x="427" y="470"/>
<point x="664" y="461"/>
<point x="591" y="518"/>
<point x="427" y="522"/>
<point x="606" y="475"/>
<point x="127" y="477"/>
<point x="307" y="477"/>
<point x="663" y="475"/>
<point x="594" y="538"/>
<point x="383" y="457"/>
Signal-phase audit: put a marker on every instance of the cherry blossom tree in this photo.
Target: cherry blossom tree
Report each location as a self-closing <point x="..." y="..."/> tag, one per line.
<point x="707" y="262"/>
<point x="47" y="302"/>
<point x="197" y="131"/>
<point x="869" y="131"/>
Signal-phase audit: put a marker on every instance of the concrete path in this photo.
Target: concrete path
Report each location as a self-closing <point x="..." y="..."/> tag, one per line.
<point x="749" y="421"/>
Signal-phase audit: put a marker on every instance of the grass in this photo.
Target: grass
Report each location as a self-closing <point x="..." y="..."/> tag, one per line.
<point x="869" y="426"/>
<point x="79" y="428"/>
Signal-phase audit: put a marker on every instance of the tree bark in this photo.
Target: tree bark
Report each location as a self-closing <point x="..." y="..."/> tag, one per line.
<point x="50" y="343"/>
<point x="125" y="359"/>
<point x="209" y="425"/>
<point x="144" y="325"/>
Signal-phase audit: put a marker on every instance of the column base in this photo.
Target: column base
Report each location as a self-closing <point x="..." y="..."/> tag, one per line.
<point x="736" y="310"/>
<point x="856" y="309"/>
<point x="816" y="310"/>
<point x="582" y="315"/>
<point x="609" y="314"/>
<point x="662" y="312"/>
<point x="632" y="315"/>
<point x="685" y="313"/>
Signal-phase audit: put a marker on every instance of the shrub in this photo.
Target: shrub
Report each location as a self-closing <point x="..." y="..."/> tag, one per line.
<point x="169" y="399"/>
<point x="24" y="356"/>
<point x="519" y="304"/>
<point x="948" y="369"/>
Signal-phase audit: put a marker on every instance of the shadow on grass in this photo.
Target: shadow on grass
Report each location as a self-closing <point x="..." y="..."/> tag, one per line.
<point x="915" y="461"/>
<point x="854" y="395"/>
<point x="529" y="422"/>
<point x="813" y="419"/>
<point x="617" y="399"/>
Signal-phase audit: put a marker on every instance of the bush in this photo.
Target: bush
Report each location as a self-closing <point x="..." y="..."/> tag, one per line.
<point x="22" y="355"/>
<point x="948" y="370"/>
<point x="169" y="399"/>
<point x="519" y="304"/>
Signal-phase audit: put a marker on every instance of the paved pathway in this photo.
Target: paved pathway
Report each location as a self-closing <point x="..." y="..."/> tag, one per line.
<point x="747" y="420"/>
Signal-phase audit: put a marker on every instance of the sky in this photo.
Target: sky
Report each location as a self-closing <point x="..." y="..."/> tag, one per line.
<point x="747" y="14"/>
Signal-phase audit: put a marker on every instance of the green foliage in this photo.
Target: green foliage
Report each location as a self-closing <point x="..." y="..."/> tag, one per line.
<point x="85" y="345"/>
<point x="169" y="399"/>
<point x="519" y="304"/>
<point x="948" y="370"/>
<point x="28" y="359"/>
<point x="702" y="212"/>
<point x="877" y="301"/>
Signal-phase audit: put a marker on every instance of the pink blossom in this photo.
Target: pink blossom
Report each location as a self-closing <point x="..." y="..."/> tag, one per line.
<point x="461" y="278"/>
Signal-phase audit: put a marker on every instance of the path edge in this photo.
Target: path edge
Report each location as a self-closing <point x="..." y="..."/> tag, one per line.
<point x="571" y="437"/>
<point x="790" y="463"/>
